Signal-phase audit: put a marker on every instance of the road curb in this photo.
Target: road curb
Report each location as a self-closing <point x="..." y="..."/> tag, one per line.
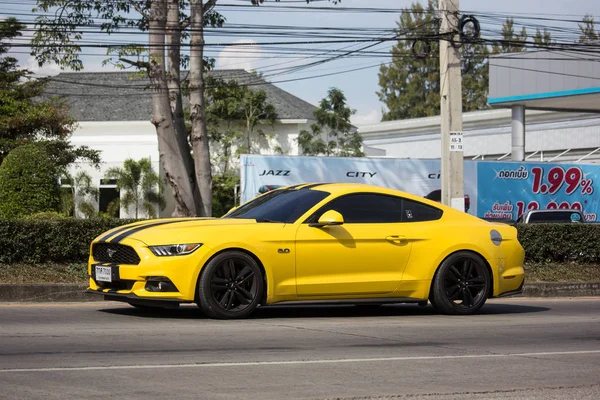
<point x="60" y="292"/>
<point x="561" y="289"/>
<point x="41" y="293"/>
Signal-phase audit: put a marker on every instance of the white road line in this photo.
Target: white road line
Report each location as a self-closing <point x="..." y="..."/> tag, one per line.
<point x="298" y="362"/>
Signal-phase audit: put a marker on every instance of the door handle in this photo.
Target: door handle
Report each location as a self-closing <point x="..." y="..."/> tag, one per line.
<point x="397" y="239"/>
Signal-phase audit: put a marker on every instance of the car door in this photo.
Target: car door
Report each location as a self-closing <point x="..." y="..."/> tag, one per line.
<point x="365" y="255"/>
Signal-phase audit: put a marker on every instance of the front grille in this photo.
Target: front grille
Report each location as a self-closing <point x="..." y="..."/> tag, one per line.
<point x="114" y="253"/>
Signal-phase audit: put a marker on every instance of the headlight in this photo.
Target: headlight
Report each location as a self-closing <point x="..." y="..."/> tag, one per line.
<point x="174" y="249"/>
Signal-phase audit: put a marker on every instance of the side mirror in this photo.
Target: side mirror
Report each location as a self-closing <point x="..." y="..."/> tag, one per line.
<point x="329" y="218"/>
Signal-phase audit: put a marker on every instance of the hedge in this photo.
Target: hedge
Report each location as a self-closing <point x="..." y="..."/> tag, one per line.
<point x="561" y="242"/>
<point x="57" y="240"/>
<point x="67" y="240"/>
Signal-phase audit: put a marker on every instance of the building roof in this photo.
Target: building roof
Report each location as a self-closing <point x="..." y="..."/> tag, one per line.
<point x="473" y="122"/>
<point x="125" y="96"/>
<point x="558" y="80"/>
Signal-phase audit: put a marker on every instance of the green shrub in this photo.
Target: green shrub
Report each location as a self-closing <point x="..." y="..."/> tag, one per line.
<point x="560" y="242"/>
<point x="46" y="215"/>
<point x="56" y="240"/>
<point x="28" y="182"/>
<point x="49" y="238"/>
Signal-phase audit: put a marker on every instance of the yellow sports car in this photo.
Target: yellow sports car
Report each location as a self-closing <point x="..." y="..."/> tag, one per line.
<point x="311" y="243"/>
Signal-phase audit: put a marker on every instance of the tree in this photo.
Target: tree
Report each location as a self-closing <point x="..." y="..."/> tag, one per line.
<point x="511" y="42"/>
<point x="223" y="113"/>
<point x="588" y="30"/>
<point x="79" y="193"/>
<point x="332" y="134"/>
<point x="142" y="186"/>
<point x="410" y="84"/>
<point x="170" y="24"/>
<point x="255" y="110"/>
<point x="24" y="118"/>
<point x="28" y="182"/>
<point x="234" y="115"/>
<point x="542" y="39"/>
<point x="86" y="194"/>
<point x="224" y="193"/>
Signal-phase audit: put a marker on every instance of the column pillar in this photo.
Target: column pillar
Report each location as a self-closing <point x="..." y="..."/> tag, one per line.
<point x="518" y="133"/>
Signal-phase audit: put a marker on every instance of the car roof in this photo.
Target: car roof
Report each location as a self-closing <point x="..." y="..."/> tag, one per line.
<point x="340" y="188"/>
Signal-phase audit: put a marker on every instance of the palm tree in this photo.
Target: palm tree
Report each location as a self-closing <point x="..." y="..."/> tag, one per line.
<point x="142" y="186"/>
<point x="87" y="193"/>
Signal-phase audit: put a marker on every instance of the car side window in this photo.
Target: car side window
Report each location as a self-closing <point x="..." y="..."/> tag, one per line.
<point x="414" y="211"/>
<point x="365" y="208"/>
<point x="373" y="208"/>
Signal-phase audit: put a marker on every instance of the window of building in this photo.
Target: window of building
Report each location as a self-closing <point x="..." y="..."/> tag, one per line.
<point x="109" y="197"/>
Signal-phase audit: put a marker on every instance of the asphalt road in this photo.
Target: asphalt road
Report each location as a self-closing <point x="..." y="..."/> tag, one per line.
<point x="516" y="349"/>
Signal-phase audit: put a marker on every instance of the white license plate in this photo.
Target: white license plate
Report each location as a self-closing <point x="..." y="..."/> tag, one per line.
<point x="103" y="274"/>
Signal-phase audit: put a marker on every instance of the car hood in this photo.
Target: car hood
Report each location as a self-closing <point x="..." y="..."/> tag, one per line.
<point x="170" y="230"/>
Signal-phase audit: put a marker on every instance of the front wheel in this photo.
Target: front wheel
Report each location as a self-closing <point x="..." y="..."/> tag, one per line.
<point x="231" y="286"/>
<point x="461" y="285"/>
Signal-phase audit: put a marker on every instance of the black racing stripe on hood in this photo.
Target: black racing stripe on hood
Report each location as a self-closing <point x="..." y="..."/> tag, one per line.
<point x="140" y="228"/>
<point x="123" y="228"/>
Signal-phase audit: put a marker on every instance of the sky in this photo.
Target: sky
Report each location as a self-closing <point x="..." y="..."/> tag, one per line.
<point x="359" y="86"/>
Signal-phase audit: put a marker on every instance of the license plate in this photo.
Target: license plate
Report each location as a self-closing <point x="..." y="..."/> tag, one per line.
<point x="103" y="274"/>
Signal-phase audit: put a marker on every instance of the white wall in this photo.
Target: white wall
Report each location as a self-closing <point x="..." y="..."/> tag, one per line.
<point x="487" y="134"/>
<point x="119" y="140"/>
<point x="116" y="141"/>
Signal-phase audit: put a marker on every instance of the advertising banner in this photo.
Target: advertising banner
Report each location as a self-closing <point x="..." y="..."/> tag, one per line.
<point x="420" y="177"/>
<point x="508" y="189"/>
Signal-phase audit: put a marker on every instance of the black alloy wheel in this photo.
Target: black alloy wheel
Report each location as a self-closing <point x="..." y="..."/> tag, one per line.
<point x="231" y="286"/>
<point x="461" y="285"/>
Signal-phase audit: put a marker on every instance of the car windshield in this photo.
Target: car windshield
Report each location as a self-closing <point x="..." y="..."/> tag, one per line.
<point x="282" y="205"/>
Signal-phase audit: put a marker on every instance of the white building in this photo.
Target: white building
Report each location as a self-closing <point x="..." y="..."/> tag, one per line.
<point x="551" y="137"/>
<point x="114" y="112"/>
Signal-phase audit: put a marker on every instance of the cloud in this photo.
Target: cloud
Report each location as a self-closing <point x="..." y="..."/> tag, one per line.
<point x="50" y="69"/>
<point x="372" y="117"/>
<point x="239" y="57"/>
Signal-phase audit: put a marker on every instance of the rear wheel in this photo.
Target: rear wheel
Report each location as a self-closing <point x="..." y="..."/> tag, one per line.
<point x="231" y="286"/>
<point x="461" y="285"/>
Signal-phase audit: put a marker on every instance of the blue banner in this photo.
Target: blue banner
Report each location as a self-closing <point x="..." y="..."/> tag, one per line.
<point x="505" y="190"/>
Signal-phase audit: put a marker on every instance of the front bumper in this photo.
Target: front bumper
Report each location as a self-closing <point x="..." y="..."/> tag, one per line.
<point x="136" y="300"/>
<point x="140" y="282"/>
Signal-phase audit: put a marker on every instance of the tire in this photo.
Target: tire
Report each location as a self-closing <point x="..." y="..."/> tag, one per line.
<point x="461" y="284"/>
<point x="231" y="286"/>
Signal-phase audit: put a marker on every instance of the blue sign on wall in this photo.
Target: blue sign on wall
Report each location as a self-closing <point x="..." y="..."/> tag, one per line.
<point x="506" y="190"/>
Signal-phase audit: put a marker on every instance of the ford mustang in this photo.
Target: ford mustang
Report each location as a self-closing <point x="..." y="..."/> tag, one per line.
<point x="324" y="243"/>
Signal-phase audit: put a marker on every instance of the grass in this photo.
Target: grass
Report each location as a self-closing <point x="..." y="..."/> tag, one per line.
<point x="77" y="273"/>
<point x="562" y="272"/>
<point x="43" y="273"/>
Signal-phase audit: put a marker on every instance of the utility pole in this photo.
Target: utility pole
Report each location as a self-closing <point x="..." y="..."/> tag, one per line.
<point x="452" y="179"/>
